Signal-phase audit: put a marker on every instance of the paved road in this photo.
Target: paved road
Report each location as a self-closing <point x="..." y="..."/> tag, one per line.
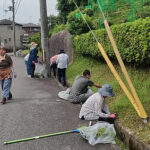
<point x="35" y="111"/>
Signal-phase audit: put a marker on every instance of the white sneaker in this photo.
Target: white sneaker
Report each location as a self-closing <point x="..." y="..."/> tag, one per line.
<point x="29" y="76"/>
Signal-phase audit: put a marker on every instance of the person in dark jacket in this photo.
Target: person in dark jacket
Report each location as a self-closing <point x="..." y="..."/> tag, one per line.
<point x="33" y="58"/>
<point x="6" y="75"/>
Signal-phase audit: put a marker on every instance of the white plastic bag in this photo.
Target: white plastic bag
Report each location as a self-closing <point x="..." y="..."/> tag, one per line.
<point x="101" y="132"/>
<point x="40" y="70"/>
<point x="64" y="94"/>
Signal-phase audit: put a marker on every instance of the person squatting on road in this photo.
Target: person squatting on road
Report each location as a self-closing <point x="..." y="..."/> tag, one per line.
<point x="62" y="64"/>
<point x="79" y="92"/>
<point x="53" y="65"/>
<point x="33" y="58"/>
<point x="95" y="108"/>
<point x="6" y="75"/>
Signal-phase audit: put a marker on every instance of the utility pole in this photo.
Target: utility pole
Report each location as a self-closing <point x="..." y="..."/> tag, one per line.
<point x="14" y="32"/>
<point x="44" y="34"/>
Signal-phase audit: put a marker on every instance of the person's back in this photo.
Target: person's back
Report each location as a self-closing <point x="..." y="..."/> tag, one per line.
<point x="80" y="85"/>
<point x="62" y="64"/>
<point x="62" y="61"/>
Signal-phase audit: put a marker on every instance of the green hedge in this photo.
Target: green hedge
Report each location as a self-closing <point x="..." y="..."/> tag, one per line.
<point x="132" y="39"/>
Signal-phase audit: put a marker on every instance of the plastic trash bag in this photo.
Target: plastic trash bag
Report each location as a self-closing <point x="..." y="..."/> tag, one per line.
<point x="64" y="94"/>
<point x="101" y="132"/>
<point x="40" y="70"/>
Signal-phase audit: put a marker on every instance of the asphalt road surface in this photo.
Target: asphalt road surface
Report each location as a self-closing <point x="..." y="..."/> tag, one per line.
<point x="36" y="110"/>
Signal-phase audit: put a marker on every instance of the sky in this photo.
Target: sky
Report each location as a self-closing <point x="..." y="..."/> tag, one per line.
<point x="28" y="10"/>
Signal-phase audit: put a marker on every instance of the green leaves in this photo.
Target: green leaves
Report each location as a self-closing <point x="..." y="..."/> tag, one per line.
<point x="132" y="39"/>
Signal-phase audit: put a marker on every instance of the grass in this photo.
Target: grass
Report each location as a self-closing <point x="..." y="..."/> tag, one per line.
<point x="119" y="104"/>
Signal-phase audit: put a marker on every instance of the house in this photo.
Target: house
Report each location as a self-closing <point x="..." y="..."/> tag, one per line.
<point x="30" y="29"/>
<point x="6" y="34"/>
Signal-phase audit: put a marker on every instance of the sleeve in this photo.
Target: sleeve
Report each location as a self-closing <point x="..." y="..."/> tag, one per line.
<point x="90" y="83"/>
<point x="105" y="109"/>
<point x="98" y="108"/>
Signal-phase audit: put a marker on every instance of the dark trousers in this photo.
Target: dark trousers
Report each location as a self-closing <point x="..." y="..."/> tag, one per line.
<point x="62" y="75"/>
<point x="54" y="68"/>
<point x="32" y="69"/>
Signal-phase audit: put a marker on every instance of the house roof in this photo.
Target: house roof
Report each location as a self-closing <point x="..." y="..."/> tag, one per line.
<point x="30" y="25"/>
<point x="8" y="22"/>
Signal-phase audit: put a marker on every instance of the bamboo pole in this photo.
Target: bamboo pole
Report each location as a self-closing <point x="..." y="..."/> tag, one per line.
<point x="123" y="68"/>
<point x="42" y="136"/>
<point x="116" y="75"/>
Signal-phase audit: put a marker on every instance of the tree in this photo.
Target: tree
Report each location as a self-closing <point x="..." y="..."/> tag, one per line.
<point x="77" y="25"/>
<point x="52" y="21"/>
<point x="66" y="6"/>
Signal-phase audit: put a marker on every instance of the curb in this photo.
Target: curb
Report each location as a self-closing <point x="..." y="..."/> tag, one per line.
<point x="128" y="137"/>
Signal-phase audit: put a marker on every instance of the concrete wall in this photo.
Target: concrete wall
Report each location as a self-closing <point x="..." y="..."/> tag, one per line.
<point x="6" y="34"/>
<point x="61" y="40"/>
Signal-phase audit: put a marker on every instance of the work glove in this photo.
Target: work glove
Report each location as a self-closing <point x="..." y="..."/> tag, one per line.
<point x="112" y="116"/>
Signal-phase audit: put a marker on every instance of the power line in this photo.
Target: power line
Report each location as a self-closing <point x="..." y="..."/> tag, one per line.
<point x="17" y="7"/>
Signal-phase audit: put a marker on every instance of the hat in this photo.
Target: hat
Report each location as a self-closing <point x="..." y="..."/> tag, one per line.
<point x="33" y="43"/>
<point x="106" y="90"/>
<point x="61" y="51"/>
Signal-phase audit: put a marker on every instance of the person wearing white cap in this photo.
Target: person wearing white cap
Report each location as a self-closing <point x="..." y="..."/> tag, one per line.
<point x="95" y="108"/>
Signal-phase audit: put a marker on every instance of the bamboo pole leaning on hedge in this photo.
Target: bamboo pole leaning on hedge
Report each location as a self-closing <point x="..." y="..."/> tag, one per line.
<point x="116" y="75"/>
<point x="123" y="68"/>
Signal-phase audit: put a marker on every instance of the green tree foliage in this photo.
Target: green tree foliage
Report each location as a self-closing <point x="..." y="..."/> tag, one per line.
<point x="132" y="39"/>
<point x="52" y="21"/>
<point x="36" y="38"/>
<point x="66" y="6"/>
<point x="77" y="25"/>
<point x="57" y="29"/>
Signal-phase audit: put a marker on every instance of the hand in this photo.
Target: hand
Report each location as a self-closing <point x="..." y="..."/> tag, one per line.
<point x="33" y="62"/>
<point x="112" y="116"/>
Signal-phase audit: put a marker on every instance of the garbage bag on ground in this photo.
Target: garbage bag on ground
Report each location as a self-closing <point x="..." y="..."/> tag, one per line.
<point x="40" y="70"/>
<point x="101" y="132"/>
<point x="64" y="94"/>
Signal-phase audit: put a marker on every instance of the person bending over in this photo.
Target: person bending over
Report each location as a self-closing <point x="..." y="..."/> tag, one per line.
<point x="95" y="108"/>
<point x="79" y="92"/>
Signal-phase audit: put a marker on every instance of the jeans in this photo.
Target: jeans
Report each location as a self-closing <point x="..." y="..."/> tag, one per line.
<point x="6" y="85"/>
<point x="27" y="67"/>
<point x="62" y="74"/>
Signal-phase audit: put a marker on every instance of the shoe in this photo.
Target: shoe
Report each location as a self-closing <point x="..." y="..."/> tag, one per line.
<point x="29" y="76"/>
<point x="3" y="101"/>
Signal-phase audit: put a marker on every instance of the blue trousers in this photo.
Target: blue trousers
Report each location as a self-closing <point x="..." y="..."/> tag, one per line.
<point x="6" y="86"/>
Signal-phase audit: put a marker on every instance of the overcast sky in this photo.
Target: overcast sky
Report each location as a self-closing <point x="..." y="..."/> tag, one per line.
<point x="28" y="10"/>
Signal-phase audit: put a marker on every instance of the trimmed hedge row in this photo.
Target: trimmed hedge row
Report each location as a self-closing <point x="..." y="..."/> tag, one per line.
<point x="132" y="39"/>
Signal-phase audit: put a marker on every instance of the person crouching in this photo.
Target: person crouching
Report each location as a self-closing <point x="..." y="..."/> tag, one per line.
<point x="95" y="108"/>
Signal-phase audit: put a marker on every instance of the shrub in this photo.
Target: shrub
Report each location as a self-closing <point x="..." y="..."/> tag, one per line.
<point x="132" y="39"/>
<point x="76" y="25"/>
<point x="57" y="29"/>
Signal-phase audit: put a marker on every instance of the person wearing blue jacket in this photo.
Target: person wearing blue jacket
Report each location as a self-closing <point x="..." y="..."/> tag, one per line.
<point x="33" y="58"/>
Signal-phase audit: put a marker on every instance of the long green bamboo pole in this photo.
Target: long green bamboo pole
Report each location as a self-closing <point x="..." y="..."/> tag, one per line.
<point x="42" y="136"/>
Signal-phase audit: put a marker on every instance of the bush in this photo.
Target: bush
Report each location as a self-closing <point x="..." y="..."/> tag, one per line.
<point x="36" y="38"/>
<point x="132" y="39"/>
<point x="78" y="26"/>
<point x="57" y="29"/>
